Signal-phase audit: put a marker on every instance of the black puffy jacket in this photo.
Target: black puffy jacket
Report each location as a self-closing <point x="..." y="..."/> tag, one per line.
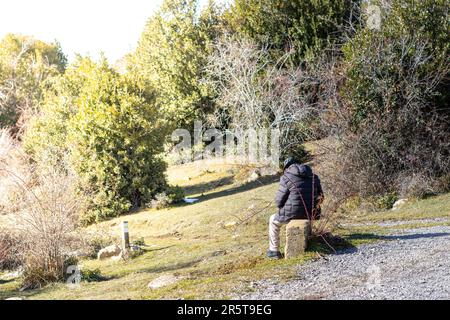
<point x="297" y="182"/>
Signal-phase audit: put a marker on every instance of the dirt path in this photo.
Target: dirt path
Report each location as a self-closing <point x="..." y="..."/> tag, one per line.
<point x="409" y="264"/>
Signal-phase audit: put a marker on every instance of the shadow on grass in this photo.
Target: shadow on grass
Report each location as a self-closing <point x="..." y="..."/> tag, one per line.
<point x="14" y="293"/>
<point x="204" y="187"/>
<point x="330" y="244"/>
<point x="207" y="186"/>
<point x="6" y="281"/>
<point x="95" y="276"/>
<point x="172" y="267"/>
<point x="145" y="250"/>
<point x="364" y="237"/>
<point x="263" y="181"/>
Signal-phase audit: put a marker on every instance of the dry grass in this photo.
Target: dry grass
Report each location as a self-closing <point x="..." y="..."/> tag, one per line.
<point x="190" y="241"/>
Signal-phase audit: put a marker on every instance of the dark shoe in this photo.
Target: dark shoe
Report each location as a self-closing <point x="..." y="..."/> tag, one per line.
<point x="274" y="255"/>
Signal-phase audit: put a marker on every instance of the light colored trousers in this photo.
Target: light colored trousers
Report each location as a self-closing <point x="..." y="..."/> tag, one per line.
<point x="274" y="233"/>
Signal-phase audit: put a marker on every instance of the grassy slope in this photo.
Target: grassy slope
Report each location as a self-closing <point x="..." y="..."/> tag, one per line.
<point x="190" y="241"/>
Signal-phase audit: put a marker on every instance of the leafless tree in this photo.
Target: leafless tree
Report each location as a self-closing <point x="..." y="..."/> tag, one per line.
<point x="255" y="92"/>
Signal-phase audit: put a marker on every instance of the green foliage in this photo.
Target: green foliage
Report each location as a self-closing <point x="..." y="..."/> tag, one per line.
<point x="305" y="26"/>
<point x="396" y="100"/>
<point x="25" y="65"/>
<point x="96" y="243"/>
<point x="108" y="127"/>
<point x="165" y="199"/>
<point x="171" y="55"/>
<point x="379" y="60"/>
<point x="176" y="194"/>
<point x="92" y="275"/>
<point x="139" y="242"/>
<point x="385" y="202"/>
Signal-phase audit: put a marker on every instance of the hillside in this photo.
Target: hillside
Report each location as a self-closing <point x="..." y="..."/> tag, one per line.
<point x="89" y="149"/>
<point x="207" y="250"/>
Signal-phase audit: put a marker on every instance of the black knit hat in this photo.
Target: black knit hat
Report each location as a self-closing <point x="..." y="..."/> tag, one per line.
<point x="289" y="161"/>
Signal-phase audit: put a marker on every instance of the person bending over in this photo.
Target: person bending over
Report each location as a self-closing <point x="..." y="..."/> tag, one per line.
<point x="299" y="197"/>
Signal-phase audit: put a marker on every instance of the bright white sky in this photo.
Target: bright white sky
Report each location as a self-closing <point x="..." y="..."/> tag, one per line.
<point x="81" y="26"/>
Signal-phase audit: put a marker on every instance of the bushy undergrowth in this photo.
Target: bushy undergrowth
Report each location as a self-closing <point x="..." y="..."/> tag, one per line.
<point x="92" y="275"/>
<point x="390" y="133"/>
<point x="41" y="236"/>
<point x="165" y="199"/>
<point x="9" y="255"/>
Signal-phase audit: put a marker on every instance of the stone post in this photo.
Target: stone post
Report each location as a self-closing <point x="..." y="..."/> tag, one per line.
<point x="125" y="236"/>
<point x="297" y="233"/>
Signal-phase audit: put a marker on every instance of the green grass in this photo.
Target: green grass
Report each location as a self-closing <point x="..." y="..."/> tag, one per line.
<point x="415" y="209"/>
<point x="190" y="241"/>
<point x="186" y="240"/>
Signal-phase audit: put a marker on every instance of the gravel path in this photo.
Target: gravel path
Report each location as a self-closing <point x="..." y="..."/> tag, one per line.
<point x="410" y="264"/>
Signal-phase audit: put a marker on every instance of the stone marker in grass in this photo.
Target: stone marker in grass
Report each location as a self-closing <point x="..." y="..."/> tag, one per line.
<point x="297" y="232"/>
<point x="125" y="236"/>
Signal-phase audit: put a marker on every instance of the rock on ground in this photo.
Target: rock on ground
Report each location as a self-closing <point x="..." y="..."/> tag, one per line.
<point x="254" y="175"/>
<point x="12" y="275"/>
<point x="164" y="280"/>
<point x="109" y="252"/>
<point x="410" y="264"/>
<point x="399" y="203"/>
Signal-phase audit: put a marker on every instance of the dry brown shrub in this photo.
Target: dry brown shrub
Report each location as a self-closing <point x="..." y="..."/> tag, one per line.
<point x="9" y="245"/>
<point x="13" y="163"/>
<point x="47" y="217"/>
<point x="47" y="225"/>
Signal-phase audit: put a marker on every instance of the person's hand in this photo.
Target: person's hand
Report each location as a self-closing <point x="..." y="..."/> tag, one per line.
<point x="320" y="200"/>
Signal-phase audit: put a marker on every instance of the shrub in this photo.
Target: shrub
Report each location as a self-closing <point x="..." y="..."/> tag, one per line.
<point x="13" y="168"/>
<point x="9" y="255"/>
<point x="165" y="199"/>
<point x="161" y="201"/>
<point x="386" y="201"/>
<point x="443" y="183"/>
<point x="254" y="92"/>
<point x="45" y="224"/>
<point x="47" y="227"/>
<point x="391" y="133"/>
<point x="139" y="242"/>
<point x="112" y="133"/>
<point x="176" y="194"/>
<point x="93" y="243"/>
<point x="92" y="275"/>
